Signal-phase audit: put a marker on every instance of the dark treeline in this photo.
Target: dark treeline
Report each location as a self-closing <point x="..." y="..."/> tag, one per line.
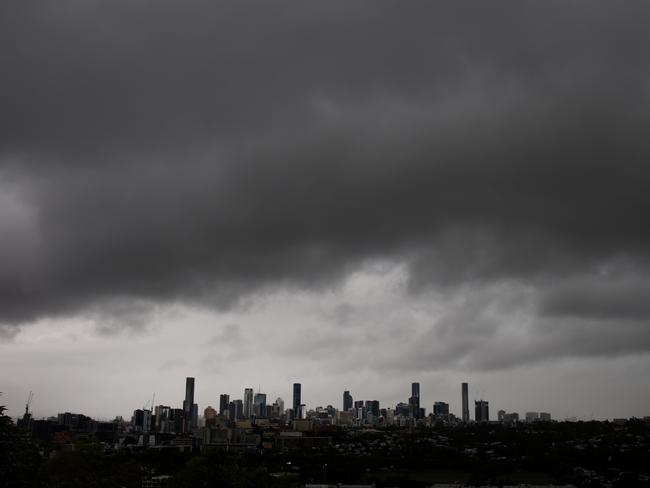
<point x="586" y="454"/>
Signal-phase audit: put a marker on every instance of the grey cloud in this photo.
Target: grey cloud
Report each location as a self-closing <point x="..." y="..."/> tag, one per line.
<point x="501" y="326"/>
<point x="206" y="151"/>
<point x="599" y="297"/>
<point x="230" y="335"/>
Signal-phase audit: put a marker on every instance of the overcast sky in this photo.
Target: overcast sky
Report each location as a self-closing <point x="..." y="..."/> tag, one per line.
<point x="351" y="195"/>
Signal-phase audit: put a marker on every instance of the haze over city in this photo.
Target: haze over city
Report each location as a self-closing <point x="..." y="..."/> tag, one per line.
<point x="349" y="195"/>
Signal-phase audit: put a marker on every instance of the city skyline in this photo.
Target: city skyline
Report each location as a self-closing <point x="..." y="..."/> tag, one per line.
<point x="347" y="195"/>
<point x="475" y="413"/>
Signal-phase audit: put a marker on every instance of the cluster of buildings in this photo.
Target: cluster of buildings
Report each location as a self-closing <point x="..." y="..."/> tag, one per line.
<point x="235" y="419"/>
<point x="255" y="409"/>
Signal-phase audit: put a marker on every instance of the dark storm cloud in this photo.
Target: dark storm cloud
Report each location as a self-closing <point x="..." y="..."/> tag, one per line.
<point x="200" y="151"/>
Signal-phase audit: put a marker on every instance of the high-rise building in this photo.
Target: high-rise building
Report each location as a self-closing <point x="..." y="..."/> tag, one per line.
<point x="210" y="416"/>
<point x="414" y="401"/>
<point x="440" y="409"/>
<point x="280" y="403"/>
<point x="415" y="390"/>
<point x="276" y="410"/>
<point x="481" y="411"/>
<point x="347" y="401"/>
<point x="188" y="403"/>
<point x="359" y="409"/>
<point x="236" y="410"/>
<point x="248" y="403"/>
<point x="373" y="407"/>
<point x="532" y="416"/>
<point x="402" y="409"/>
<point x="163" y="415"/>
<point x="195" y="416"/>
<point x="296" y="399"/>
<point x="511" y="418"/>
<point x="224" y="401"/>
<point x="141" y="421"/>
<point x="544" y="416"/>
<point x="259" y="405"/>
<point x="465" y="402"/>
<point x="178" y="420"/>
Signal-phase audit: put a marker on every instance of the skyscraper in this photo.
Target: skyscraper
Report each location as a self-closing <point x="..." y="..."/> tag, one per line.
<point x="372" y="406"/>
<point x="296" y="400"/>
<point x="414" y="401"/>
<point x="210" y="416"/>
<point x="235" y="410"/>
<point x="259" y="405"/>
<point x="280" y="403"/>
<point x="465" y="402"/>
<point x="188" y="403"/>
<point x="163" y="418"/>
<point x="441" y="410"/>
<point x="224" y="401"/>
<point x="481" y="411"/>
<point x="195" y="416"/>
<point x="347" y="401"/>
<point x="248" y="403"/>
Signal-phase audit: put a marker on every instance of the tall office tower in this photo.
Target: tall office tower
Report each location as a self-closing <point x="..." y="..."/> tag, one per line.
<point x="402" y="409"/>
<point x="195" y="416"/>
<point x="189" y="401"/>
<point x="481" y="411"/>
<point x="361" y="413"/>
<point x="347" y="401"/>
<point x="280" y="403"/>
<point x="163" y="416"/>
<point x="415" y="390"/>
<point x="414" y="407"/>
<point x="440" y="409"/>
<point x="274" y="410"/>
<point x="259" y="405"/>
<point x="414" y="401"/>
<point x="373" y="406"/>
<point x="296" y="400"/>
<point x="137" y="420"/>
<point x="224" y="401"/>
<point x="235" y="410"/>
<point x="248" y="403"/>
<point x="178" y="420"/>
<point x="210" y="416"/>
<point x="465" y="402"/>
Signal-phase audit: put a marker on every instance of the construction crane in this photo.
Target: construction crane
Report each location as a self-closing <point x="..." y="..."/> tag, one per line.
<point x="26" y="422"/>
<point x="153" y="400"/>
<point x="30" y="397"/>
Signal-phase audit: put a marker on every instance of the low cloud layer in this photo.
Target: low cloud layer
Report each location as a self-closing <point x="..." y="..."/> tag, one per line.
<point x="206" y="154"/>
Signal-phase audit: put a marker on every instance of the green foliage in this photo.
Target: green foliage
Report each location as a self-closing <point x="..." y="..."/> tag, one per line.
<point x="88" y="467"/>
<point x="19" y="457"/>
<point x="220" y="470"/>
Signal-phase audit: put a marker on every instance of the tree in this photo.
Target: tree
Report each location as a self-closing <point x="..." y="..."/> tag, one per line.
<point x="19" y="457"/>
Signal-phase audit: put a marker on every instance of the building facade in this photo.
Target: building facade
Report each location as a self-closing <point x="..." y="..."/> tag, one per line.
<point x="465" y="401"/>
